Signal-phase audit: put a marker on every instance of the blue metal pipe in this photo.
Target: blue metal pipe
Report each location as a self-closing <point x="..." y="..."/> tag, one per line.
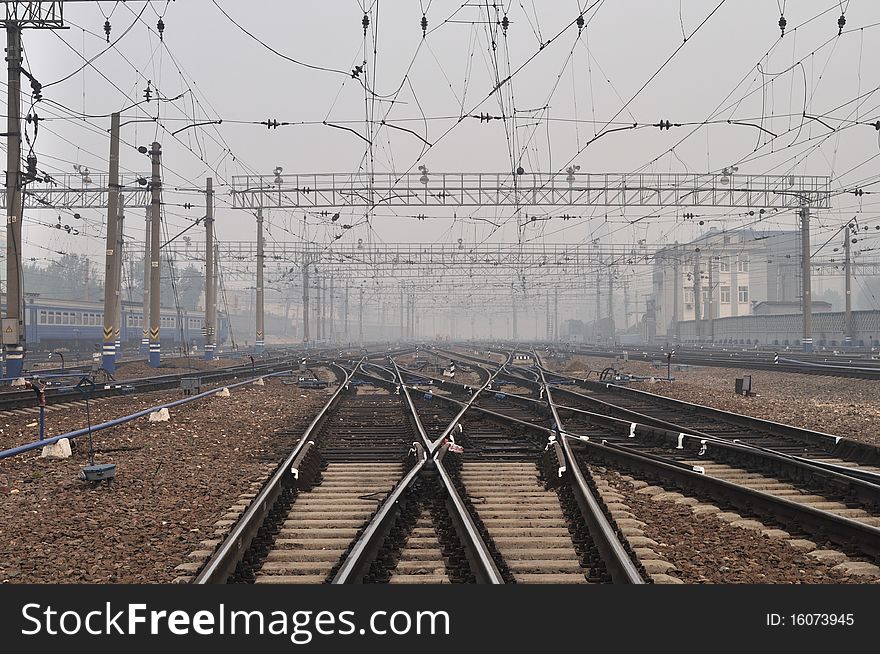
<point x="5" y="454"/>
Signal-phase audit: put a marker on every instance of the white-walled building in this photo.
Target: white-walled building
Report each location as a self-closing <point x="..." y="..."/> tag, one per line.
<point x="731" y="271"/>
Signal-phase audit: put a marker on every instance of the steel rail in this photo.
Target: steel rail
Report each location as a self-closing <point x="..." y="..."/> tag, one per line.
<point x="226" y="557"/>
<point x="359" y="557"/>
<point x="620" y="566"/>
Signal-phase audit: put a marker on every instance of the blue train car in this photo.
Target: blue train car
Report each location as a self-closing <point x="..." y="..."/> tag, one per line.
<point x="78" y="326"/>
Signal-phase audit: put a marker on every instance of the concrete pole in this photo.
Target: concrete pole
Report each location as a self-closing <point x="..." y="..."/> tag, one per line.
<point x="330" y="303"/>
<point x="361" y="317"/>
<point x="259" y="341"/>
<point x="402" y="334"/>
<point x="13" y="322"/>
<point x="848" y="332"/>
<point x="210" y="295"/>
<point x="319" y="323"/>
<point x="513" y="316"/>
<point x="145" y="335"/>
<point x="345" y="313"/>
<point x="612" y="336"/>
<point x="556" y="314"/>
<point x="698" y="300"/>
<point x="710" y="301"/>
<point x="120" y="242"/>
<point x="217" y="295"/>
<point x="676" y="298"/>
<point x="806" y="280"/>
<point x="155" y="278"/>
<point x="305" y="298"/>
<point x="598" y="305"/>
<point x="111" y="280"/>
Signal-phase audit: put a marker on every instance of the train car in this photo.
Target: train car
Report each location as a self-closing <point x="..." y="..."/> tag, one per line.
<point x="76" y="325"/>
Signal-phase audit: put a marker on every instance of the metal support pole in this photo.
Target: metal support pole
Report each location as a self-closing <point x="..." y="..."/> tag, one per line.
<point x="596" y="332"/>
<point x="612" y="336"/>
<point x="676" y="298"/>
<point x="345" y="313"/>
<point x="155" y="278"/>
<point x="306" y="298"/>
<point x="710" y="302"/>
<point x="210" y="296"/>
<point x="111" y="270"/>
<point x="259" y="342"/>
<point x="806" y="280"/>
<point x="145" y="326"/>
<point x="402" y="334"/>
<point x="120" y="242"/>
<point x="848" y="331"/>
<point x="13" y="322"/>
<point x="361" y="318"/>
<point x="698" y="301"/>
<point x="513" y="316"/>
<point x="330" y="311"/>
<point x="319" y="323"/>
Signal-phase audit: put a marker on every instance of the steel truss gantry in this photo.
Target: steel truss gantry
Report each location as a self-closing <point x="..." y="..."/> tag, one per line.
<point x="572" y="189"/>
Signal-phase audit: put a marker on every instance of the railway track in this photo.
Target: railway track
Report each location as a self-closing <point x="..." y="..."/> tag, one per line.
<point x="374" y="503"/>
<point x="834" y="366"/>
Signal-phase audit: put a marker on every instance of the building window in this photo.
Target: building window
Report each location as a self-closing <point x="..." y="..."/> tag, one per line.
<point x="744" y="294"/>
<point x="743" y="265"/>
<point x="689" y="296"/>
<point x="725" y="295"/>
<point x="724" y="264"/>
<point x="42" y="320"/>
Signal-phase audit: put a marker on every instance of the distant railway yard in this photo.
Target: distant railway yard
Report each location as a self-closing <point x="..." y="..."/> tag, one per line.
<point x="443" y="463"/>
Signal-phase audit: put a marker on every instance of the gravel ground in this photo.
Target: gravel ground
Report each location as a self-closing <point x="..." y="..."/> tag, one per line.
<point x="174" y="480"/>
<point x="705" y="549"/>
<point x="844" y="407"/>
<point x="18" y="429"/>
<point x="137" y="369"/>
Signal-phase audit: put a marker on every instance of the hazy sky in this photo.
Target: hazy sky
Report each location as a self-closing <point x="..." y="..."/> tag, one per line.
<point x="733" y="66"/>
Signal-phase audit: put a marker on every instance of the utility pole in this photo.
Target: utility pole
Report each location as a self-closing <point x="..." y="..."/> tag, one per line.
<point x="117" y="309"/>
<point x="319" y="333"/>
<point x="513" y="315"/>
<point x="710" y="302"/>
<point x="210" y="296"/>
<point x="145" y="327"/>
<point x="555" y="314"/>
<point x="155" y="278"/>
<point x="259" y="342"/>
<point x="598" y="305"/>
<point x="361" y="317"/>
<point x="402" y="335"/>
<point x="806" y="281"/>
<point x="612" y="337"/>
<point x="217" y="295"/>
<point x="345" y="313"/>
<point x="305" y="298"/>
<point x="13" y="323"/>
<point x="847" y="320"/>
<point x="330" y="310"/>
<point x="698" y="316"/>
<point x="111" y="270"/>
<point x="676" y="297"/>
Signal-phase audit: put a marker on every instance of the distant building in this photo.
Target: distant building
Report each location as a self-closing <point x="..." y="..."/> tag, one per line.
<point x="732" y="271"/>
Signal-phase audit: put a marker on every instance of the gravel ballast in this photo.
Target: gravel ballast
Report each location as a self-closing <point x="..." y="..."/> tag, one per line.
<point x="174" y="480"/>
<point x="836" y="405"/>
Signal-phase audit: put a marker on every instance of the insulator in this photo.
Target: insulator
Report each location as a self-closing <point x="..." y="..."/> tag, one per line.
<point x="505" y="23"/>
<point x="424" y="25"/>
<point x="366" y="23"/>
<point x="107" y="30"/>
<point x="840" y="23"/>
<point x="161" y="27"/>
<point x="782" y="24"/>
<point x="580" y="23"/>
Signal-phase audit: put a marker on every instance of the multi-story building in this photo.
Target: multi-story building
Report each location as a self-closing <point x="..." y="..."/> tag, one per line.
<point x="722" y="274"/>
